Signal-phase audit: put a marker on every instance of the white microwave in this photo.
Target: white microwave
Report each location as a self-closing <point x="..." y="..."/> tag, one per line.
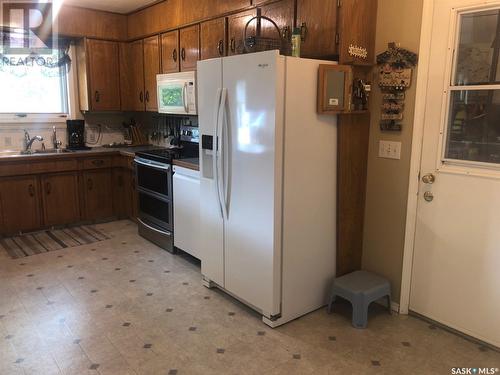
<point x="177" y="93"/>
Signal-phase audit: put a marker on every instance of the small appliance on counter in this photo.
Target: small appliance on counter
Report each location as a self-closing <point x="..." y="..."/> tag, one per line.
<point x="76" y="135"/>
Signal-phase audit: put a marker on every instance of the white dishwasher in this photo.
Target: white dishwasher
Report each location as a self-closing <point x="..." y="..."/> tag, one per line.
<point x="186" y="191"/>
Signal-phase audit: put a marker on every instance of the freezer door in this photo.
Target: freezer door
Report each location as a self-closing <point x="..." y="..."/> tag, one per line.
<point x="211" y="220"/>
<point x="252" y="139"/>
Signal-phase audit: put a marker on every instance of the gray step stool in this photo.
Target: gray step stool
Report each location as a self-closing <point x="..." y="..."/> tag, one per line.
<point x="360" y="288"/>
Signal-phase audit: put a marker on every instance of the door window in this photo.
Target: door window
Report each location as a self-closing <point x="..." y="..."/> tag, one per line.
<point x="473" y="126"/>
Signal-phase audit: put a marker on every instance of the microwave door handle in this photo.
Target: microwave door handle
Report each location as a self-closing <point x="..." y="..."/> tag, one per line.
<point x="185" y="97"/>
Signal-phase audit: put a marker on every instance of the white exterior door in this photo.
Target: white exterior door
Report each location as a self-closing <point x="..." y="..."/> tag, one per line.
<point x="456" y="265"/>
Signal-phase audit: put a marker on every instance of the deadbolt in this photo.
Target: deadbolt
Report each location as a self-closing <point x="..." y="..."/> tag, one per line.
<point x="428" y="196"/>
<point x="428" y="179"/>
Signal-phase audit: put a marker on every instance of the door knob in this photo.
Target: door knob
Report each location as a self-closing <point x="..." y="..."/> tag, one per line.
<point x="428" y="178"/>
<point x="428" y="196"/>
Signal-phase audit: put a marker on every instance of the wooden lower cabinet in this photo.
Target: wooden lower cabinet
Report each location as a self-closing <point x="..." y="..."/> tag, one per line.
<point x="19" y="204"/>
<point x="97" y="194"/>
<point x="97" y="189"/>
<point x="60" y="199"/>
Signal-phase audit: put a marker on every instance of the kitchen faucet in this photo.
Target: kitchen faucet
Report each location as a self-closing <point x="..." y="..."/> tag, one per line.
<point x="28" y="141"/>
<point x="55" y="142"/>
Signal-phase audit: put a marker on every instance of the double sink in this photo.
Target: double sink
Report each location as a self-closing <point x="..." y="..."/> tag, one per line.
<point x="33" y="152"/>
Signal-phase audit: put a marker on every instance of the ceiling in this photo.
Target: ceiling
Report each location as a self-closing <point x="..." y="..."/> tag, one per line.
<point x="117" y="6"/>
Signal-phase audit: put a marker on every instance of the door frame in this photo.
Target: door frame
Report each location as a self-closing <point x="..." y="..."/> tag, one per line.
<point x="416" y="153"/>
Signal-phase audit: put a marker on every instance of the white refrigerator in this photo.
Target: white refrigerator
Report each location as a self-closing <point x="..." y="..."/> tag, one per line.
<point x="268" y="183"/>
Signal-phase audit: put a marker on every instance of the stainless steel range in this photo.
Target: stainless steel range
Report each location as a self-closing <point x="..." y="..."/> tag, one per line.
<point x="154" y="186"/>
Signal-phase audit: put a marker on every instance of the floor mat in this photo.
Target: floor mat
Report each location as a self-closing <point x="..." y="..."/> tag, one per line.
<point x="40" y="242"/>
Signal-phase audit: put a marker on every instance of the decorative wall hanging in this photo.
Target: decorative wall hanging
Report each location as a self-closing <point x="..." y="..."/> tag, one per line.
<point x="396" y="68"/>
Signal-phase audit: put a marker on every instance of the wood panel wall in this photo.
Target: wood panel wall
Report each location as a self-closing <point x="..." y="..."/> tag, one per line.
<point x="174" y="13"/>
<point x="81" y="22"/>
<point x="353" y="135"/>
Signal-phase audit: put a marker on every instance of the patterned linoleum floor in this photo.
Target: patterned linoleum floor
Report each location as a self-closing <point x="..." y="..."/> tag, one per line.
<point x="124" y="306"/>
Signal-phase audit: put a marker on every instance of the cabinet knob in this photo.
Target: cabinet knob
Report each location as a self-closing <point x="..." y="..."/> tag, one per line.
<point x="31" y="190"/>
<point x="220" y="47"/>
<point x="183" y="54"/>
<point x="147" y="96"/>
<point x="174" y="55"/>
<point x="97" y="96"/>
<point x="141" y="97"/>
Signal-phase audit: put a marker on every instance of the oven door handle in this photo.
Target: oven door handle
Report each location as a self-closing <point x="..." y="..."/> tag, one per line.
<point x="153" y="228"/>
<point x="154" y="166"/>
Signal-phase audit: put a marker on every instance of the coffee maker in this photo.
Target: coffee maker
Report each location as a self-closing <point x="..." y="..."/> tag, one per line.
<point x="76" y="135"/>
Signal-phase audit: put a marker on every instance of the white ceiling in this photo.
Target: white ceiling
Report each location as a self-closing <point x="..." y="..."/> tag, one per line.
<point x="117" y="6"/>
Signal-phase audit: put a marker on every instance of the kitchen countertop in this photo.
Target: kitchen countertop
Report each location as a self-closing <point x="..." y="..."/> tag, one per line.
<point x="95" y="151"/>
<point x="190" y="163"/>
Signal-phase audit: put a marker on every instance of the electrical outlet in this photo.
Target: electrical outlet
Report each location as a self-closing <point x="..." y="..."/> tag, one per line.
<point x="7" y="141"/>
<point x="389" y="150"/>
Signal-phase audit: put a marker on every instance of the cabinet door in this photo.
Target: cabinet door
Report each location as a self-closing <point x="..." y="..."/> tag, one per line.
<point x="134" y="209"/>
<point x="357" y="24"/>
<point x="120" y="197"/>
<point x="151" y="69"/>
<point x="60" y="199"/>
<point x="318" y="19"/>
<point x="235" y="30"/>
<point x="190" y="47"/>
<point x="98" y="192"/>
<point x="19" y="205"/>
<point x="283" y="13"/>
<point x="132" y="76"/>
<point x="170" y="52"/>
<point x="103" y="65"/>
<point x="213" y="38"/>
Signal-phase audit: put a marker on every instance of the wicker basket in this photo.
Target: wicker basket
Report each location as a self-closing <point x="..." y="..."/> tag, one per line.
<point x="259" y="43"/>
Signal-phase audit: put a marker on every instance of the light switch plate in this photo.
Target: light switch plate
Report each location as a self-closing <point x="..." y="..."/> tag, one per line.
<point x="389" y="150"/>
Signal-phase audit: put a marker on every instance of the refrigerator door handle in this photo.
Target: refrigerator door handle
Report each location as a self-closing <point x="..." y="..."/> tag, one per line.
<point x="221" y="158"/>
<point x="215" y="151"/>
<point x="225" y="152"/>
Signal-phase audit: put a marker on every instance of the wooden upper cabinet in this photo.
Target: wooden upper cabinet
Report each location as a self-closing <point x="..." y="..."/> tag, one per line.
<point x="132" y="76"/>
<point x="357" y="27"/>
<point x="170" y="52"/>
<point x="213" y="38"/>
<point x="103" y="71"/>
<point x="19" y="205"/>
<point x="189" y="43"/>
<point x="235" y="31"/>
<point x="60" y="199"/>
<point x="283" y="14"/>
<point x="318" y="20"/>
<point x="151" y="69"/>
